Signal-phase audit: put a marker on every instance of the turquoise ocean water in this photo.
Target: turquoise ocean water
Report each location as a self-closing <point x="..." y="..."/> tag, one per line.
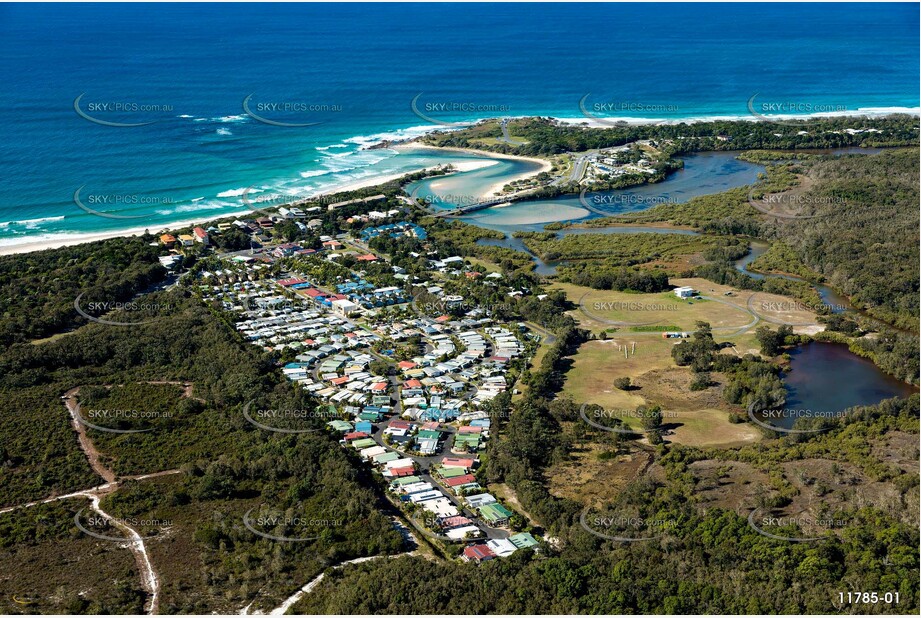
<point x="350" y="73"/>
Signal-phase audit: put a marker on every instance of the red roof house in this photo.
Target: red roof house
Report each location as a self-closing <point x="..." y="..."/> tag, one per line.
<point x="458" y="462"/>
<point x="478" y="553"/>
<point x="455" y="522"/>
<point x="460" y="480"/>
<point x="398" y="472"/>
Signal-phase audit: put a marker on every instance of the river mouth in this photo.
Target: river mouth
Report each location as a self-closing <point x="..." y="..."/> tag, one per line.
<point x="825" y="379"/>
<point x="703" y="173"/>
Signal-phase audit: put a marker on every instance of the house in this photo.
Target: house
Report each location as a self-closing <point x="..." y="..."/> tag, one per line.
<point x="427" y="446"/>
<point x="523" y="540"/>
<point x="495" y="514"/>
<point x="386" y="458"/>
<point x="501" y="547"/>
<point x="186" y="240"/>
<point x="402" y="471"/>
<point x="200" y="235"/>
<point x="364" y="427"/>
<point x="458" y="462"/>
<point x="168" y="240"/>
<point x="340" y="425"/>
<point x="373" y="451"/>
<point x="453" y="300"/>
<point x="478" y="553"/>
<point x="168" y="261"/>
<point x="479" y="500"/>
<point x="685" y="292"/>
<point x="344" y="308"/>
<point x="465" y="479"/>
<point x="463" y="532"/>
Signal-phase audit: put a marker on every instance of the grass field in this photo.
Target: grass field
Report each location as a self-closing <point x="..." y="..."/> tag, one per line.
<point x="773" y="308"/>
<point x="602" y="309"/>
<point x="728" y="310"/>
<point x="495" y="141"/>
<point x="697" y="418"/>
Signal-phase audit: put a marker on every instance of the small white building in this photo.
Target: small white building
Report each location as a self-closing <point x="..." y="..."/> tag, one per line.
<point x="685" y="292"/>
<point x="344" y="307"/>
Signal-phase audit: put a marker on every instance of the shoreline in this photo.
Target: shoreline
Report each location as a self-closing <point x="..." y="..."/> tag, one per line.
<point x="493" y="189"/>
<point x="60" y="240"/>
<point x="605" y="121"/>
<point x="69" y="240"/>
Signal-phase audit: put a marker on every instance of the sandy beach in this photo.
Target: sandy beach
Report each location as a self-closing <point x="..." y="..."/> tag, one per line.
<point x="495" y="188"/>
<point x="68" y="240"/>
<point x="605" y="122"/>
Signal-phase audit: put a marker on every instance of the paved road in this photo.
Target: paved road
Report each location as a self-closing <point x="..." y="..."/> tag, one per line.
<point x="579" y="163"/>
<point x="506" y="137"/>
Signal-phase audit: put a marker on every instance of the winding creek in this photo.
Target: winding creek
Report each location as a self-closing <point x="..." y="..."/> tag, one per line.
<point x="823" y="377"/>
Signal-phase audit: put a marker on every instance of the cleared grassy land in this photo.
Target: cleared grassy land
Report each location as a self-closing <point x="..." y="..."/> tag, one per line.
<point x="494" y="141"/>
<point x="632" y="313"/>
<point x="697" y="418"/>
<point x="604" y="309"/>
<point x="590" y="480"/>
<point x="774" y="309"/>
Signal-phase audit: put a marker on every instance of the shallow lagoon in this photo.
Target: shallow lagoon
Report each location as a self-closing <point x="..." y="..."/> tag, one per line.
<point x="827" y="378"/>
